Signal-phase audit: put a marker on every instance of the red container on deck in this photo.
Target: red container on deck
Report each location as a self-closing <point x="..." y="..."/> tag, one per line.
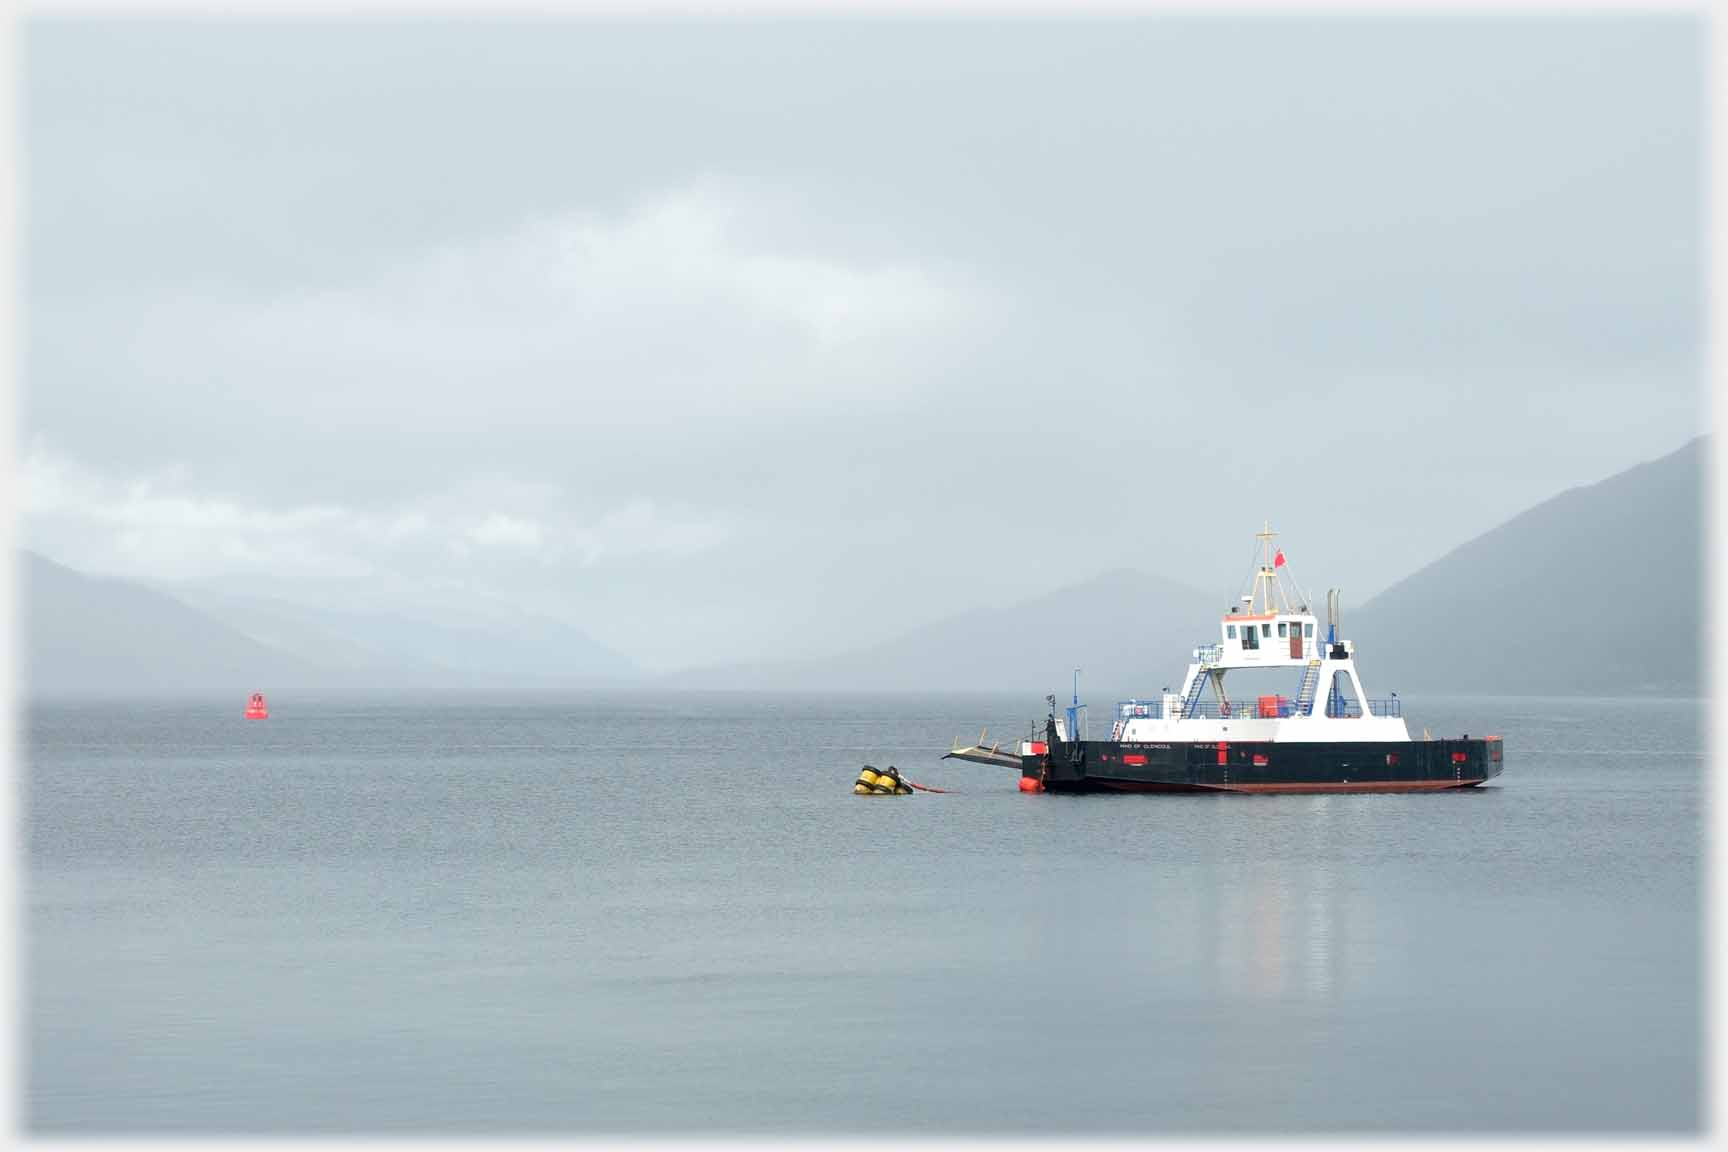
<point x="1269" y="707"/>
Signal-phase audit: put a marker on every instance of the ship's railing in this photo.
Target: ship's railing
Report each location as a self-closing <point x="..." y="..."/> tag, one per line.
<point x="1349" y="709"/>
<point x="1209" y="653"/>
<point x="1203" y="710"/>
<point x="1250" y="709"/>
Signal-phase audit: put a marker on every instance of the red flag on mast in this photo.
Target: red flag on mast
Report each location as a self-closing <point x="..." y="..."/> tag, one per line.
<point x="1278" y="560"/>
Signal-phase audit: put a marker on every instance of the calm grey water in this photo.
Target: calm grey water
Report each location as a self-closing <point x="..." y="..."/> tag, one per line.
<point x="616" y="914"/>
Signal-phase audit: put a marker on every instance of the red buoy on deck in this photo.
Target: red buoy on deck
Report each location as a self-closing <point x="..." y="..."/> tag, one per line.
<point x="256" y="709"/>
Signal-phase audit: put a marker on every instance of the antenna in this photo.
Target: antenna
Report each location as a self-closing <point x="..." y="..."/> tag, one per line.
<point x="1267" y="585"/>
<point x="1074" y="710"/>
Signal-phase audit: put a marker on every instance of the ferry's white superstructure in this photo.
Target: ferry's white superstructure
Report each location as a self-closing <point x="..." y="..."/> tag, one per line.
<point x="1268" y="629"/>
<point x="1322" y="733"/>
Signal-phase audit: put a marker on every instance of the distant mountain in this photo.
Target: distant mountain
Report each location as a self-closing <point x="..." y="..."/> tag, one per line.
<point x="1129" y="632"/>
<point x="1598" y="590"/>
<point x="86" y="636"/>
<point x="91" y="636"/>
<point x="498" y="649"/>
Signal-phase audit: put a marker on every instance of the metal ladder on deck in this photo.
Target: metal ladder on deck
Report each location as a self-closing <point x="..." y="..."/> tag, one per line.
<point x="1195" y="689"/>
<point x="1310" y="685"/>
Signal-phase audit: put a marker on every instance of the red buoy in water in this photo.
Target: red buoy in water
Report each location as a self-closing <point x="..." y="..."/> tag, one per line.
<point x="1030" y="784"/>
<point x="256" y="709"/>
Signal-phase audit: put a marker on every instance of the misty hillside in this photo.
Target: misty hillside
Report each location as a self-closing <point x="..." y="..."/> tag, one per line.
<point x="82" y="635"/>
<point x="1595" y="591"/>
<point x="503" y="649"/>
<point x="1130" y="632"/>
<point x="1598" y="590"/>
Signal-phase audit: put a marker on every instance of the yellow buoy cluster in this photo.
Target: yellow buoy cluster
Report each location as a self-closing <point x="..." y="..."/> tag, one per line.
<point x="874" y="783"/>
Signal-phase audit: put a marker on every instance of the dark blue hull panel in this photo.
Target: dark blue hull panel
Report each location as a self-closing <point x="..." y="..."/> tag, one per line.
<point x="1263" y="766"/>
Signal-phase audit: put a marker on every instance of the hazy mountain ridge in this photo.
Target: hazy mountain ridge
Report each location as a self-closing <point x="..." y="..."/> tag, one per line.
<point x="1500" y="613"/>
<point x="1595" y="590"/>
<point x="495" y="649"/>
<point x="1598" y="589"/>
<point x="84" y="635"/>
<point x="1114" y="627"/>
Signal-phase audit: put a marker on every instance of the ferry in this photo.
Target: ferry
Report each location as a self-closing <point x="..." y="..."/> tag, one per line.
<point x="1328" y="735"/>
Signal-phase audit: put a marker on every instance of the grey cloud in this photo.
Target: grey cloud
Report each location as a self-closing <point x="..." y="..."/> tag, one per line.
<point x="849" y="299"/>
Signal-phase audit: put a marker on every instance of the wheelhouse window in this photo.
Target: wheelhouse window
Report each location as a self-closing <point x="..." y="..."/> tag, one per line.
<point x="1266" y="631"/>
<point x="1283" y="629"/>
<point x="1308" y="630"/>
<point x="1230" y="631"/>
<point x="1250" y="639"/>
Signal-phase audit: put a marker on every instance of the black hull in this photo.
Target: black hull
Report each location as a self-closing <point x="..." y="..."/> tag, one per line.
<point x="1262" y="766"/>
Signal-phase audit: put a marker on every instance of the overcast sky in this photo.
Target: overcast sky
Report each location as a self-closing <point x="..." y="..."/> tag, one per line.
<point x="744" y="339"/>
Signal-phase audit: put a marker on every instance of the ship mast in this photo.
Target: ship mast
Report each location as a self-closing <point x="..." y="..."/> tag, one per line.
<point x="1266" y="580"/>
